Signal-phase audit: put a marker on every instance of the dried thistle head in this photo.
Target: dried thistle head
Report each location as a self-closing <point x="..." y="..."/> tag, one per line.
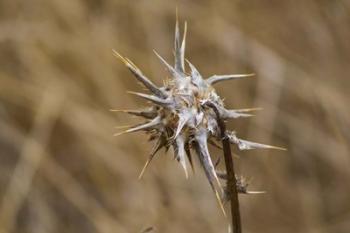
<point x="179" y="116"/>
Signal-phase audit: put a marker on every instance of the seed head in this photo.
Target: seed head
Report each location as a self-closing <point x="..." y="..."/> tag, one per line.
<point x="179" y="116"/>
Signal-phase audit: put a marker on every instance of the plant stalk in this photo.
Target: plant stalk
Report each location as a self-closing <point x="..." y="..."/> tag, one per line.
<point x="230" y="170"/>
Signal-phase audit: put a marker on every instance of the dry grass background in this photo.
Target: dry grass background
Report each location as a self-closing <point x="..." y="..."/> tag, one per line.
<point x="62" y="171"/>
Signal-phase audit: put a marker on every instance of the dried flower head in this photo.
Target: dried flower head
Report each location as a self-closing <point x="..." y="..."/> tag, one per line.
<point x="179" y="115"/>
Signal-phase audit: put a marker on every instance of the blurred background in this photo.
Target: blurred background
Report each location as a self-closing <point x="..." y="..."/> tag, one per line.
<point x="61" y="170"/>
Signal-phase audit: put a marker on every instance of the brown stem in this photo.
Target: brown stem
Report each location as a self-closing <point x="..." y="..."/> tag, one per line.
<point x="230" y="170"/>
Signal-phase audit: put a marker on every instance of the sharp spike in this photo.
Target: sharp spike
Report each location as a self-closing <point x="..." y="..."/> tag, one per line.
<point x="173" y="72"/>
<point x="180" y="50"/>
<point x="255" y="192"/>
<point x="145" y="166"/>
<point x="196" y="77"/>
<point x="253" y="145"/>
<point x="152" y="98"/>
<point x="205" y="159"/>
<point x="233" y="114"/>
<point x="183" y="48"/>
<point x="145" y="126"/>
<point x="120" y="57"/>
<point x="243" y="110"/>
<point x="218" y="78"/>
<point x="148" y="114"/>
<point x="159" y="144"/>
<point x="248" y="145"/>
<point x="183" y="118"/>
<point x="177" y="33"/>
<point x="178" y="66"/>
<point x="221" y="204"/>
<point x="189" y="155"/>
<point x="202" y="139"/>
<point x="180" y="152"/>
<point x="194" y="70"/>
<point x="118" y="134"/>
<point x="140" y="76"/>
<point x="123" y="126"/>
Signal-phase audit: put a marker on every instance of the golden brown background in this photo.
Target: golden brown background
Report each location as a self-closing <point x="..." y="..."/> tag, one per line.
<point x="61" y="170"/>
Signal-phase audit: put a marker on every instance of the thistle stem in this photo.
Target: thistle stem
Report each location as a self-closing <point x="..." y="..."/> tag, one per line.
<point x="230" y="170"/>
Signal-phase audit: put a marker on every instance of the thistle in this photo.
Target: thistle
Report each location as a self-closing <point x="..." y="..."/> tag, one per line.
<point x="181" y="116"/>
